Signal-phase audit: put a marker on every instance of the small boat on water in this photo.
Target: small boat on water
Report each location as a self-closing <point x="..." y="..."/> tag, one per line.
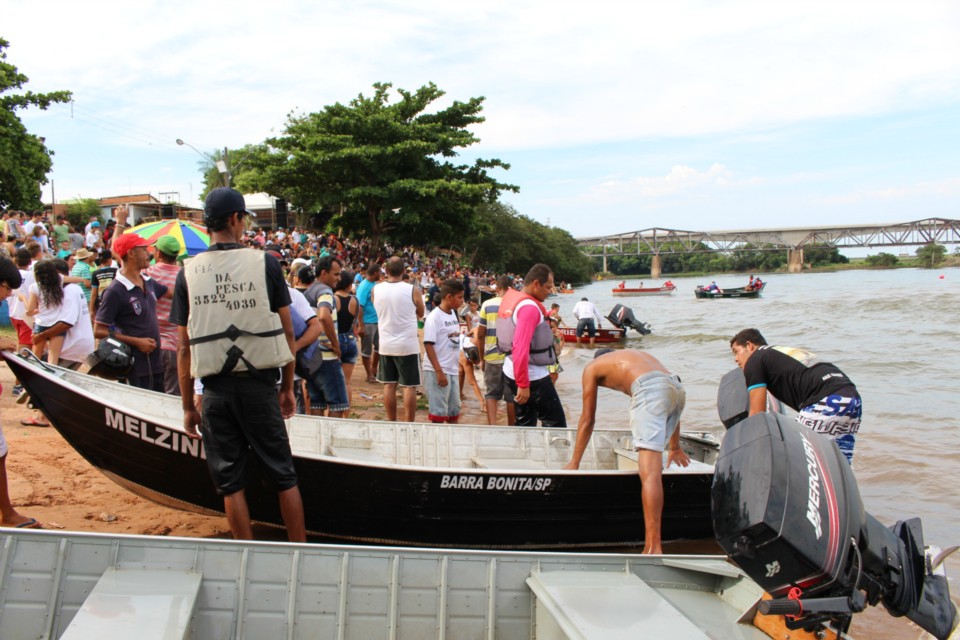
<point x="733" y="292"/>
<point x="385" y="482"/>
<point x="664" y="290"/>
<point x="83" y="585"/>
<point x="604" y="336"/>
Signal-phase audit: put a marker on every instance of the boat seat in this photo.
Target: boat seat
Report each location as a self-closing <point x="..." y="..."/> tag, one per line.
<point x="627" y="459"/>
<point x="507" y="463"/>
<point x="355" y="453"/>
<point x="605" y="605"/>
<point x="137" y="603"/>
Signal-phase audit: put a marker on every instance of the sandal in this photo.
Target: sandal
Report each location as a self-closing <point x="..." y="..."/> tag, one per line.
<point x="35" y="422"/>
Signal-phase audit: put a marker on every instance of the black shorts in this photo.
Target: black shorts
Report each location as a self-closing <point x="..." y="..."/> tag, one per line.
<point x="241" y="415"/>
<point x="544" y="405"/>
<point x="401" y="370"/>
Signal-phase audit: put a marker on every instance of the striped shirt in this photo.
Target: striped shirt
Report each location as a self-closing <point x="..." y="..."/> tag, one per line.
<point x="488" y="320"/>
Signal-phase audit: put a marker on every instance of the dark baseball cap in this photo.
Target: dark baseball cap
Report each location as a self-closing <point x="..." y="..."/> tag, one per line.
<point x="223" y="201"/>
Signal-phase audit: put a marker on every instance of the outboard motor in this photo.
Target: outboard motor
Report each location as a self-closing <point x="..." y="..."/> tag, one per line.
<point x="733" y="401"/>
<point x="622" y="317"/>
<point x="787" y="510"/>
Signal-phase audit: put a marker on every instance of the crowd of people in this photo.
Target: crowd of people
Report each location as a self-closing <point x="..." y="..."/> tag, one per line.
<point x="265" y="324"/>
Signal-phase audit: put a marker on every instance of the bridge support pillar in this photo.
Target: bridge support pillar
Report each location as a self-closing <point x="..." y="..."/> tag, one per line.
<point x="655" y="267"/>
<point x="794" y="260"/>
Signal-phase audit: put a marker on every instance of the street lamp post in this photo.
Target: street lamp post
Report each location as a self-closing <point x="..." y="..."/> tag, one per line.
<point x="221" y="165"/>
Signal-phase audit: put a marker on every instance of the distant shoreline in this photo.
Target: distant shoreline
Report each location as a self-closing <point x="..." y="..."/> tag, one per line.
<point x="854" y="264"/>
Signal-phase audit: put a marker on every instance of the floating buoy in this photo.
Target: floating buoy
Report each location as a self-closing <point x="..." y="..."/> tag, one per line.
<point x="941" y="276"/>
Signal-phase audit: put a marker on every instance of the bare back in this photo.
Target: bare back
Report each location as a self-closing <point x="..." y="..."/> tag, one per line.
<point x="618" y="369"/>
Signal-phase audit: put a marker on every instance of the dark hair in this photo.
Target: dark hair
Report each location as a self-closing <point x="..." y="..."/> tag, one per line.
<point x="504" y="282"/>
<point x="394" y="267"/>
<point x="105" y="257"/>
<point x="306" y="275"/>
<point x="48" y="282"/>
<point x="9" y="272"/>
<point x="326" y="263"/>
<point x="22" y="257"/>
<point x="451" y="287"/>
<point x="748" y="335"/>
<point x="346" y="280"/>
<point x="539" y="272"/>
<point x="373" y="268"/>
<point x="61" y="266"/>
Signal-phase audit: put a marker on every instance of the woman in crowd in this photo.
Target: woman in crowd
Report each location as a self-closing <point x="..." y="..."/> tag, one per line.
<point x="347" y="309"/>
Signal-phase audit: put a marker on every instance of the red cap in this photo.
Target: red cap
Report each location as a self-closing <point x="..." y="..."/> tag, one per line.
<point x="126" y="242"/>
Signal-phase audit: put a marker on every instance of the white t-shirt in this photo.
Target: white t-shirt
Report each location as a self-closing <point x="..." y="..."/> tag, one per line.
<point x="397" y="319"/>
<point x="18" y="310"/>
<point x="443" y="330"/>
<point x="46" y="315"/>
<point x="78" y="340"/>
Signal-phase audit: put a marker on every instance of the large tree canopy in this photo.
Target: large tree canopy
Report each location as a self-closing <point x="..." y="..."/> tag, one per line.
<point x="24" y="159"/>
<point x="386" y="168"/>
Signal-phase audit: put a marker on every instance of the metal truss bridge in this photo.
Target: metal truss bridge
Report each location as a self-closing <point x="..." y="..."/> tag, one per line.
<point x="657" y="241"/>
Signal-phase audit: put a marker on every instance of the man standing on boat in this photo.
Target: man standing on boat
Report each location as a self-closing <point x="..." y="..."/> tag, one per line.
<point x="657" y="400"/>
<point x="525" y="337"/>
<point x="826" y="400"/>
<point x="232" y="307"/>
<point x="588" y="320"/>
<point x="399" y="305"/>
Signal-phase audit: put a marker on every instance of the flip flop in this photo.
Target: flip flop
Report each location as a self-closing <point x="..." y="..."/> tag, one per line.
<point x="33" y="422"/>
<point x="32" y="523"/>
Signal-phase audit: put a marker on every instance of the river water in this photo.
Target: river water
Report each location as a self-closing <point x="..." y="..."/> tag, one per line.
<point x="893" y="332"/>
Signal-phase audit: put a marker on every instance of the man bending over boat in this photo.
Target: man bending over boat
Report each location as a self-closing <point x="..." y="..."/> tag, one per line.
<point x="232" y="307"/>
<point x="657" y="401"/>
<point x="824" y="397"/>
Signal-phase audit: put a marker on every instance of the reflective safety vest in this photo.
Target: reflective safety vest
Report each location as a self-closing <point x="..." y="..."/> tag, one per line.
<point x="230" y="325"/>
<point x="541" y="345"/>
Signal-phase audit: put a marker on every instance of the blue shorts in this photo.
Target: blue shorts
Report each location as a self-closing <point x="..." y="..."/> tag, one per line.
<point x="657" y="400"/>
<point x="348" y="348"/>
<point x="837" y="416"/>
<point x="328" y="388"/>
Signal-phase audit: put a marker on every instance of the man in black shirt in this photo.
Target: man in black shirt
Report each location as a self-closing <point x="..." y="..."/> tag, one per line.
<point x="824" y="397"/>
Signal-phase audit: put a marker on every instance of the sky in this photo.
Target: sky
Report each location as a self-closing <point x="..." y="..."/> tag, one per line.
<point x="614" y="116"/>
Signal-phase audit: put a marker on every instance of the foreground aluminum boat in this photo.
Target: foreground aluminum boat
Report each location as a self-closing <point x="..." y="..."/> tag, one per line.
<point x="76" y="585"/>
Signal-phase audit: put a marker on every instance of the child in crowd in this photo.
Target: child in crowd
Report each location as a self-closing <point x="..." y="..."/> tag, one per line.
<point x="43" y="303"/>
<point x="441" y="342"/>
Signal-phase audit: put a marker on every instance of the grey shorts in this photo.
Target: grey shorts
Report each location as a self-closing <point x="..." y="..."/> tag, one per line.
<point x="370" y="340"/>
<point x="444" y="401"/>
<point x="493" y="382"/>
<point x="657" y="400"/>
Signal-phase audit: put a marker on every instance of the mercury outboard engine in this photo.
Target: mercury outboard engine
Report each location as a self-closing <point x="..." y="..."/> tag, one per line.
<point x="622" y="317"/>
<point x="733" y="402"/>
<point x="787" y="510"/>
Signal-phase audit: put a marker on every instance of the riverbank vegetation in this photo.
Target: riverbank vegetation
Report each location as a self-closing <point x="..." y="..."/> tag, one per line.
<point x="771" y="260"/>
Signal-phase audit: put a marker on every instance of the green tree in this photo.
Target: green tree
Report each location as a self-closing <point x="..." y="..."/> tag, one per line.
<point x="243" y="167"/>
<point x="386" y="168"/>
<point x="24" y="159"/>
<point x="80" y="210"/>
<point x="509" y="242"/>
<point x="930" y="255"/>
<point x="822" y="254"/>
<point x="881" y="260"/>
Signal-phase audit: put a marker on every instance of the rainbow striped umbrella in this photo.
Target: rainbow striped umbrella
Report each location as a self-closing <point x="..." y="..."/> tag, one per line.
<point x="192" y="236"/>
